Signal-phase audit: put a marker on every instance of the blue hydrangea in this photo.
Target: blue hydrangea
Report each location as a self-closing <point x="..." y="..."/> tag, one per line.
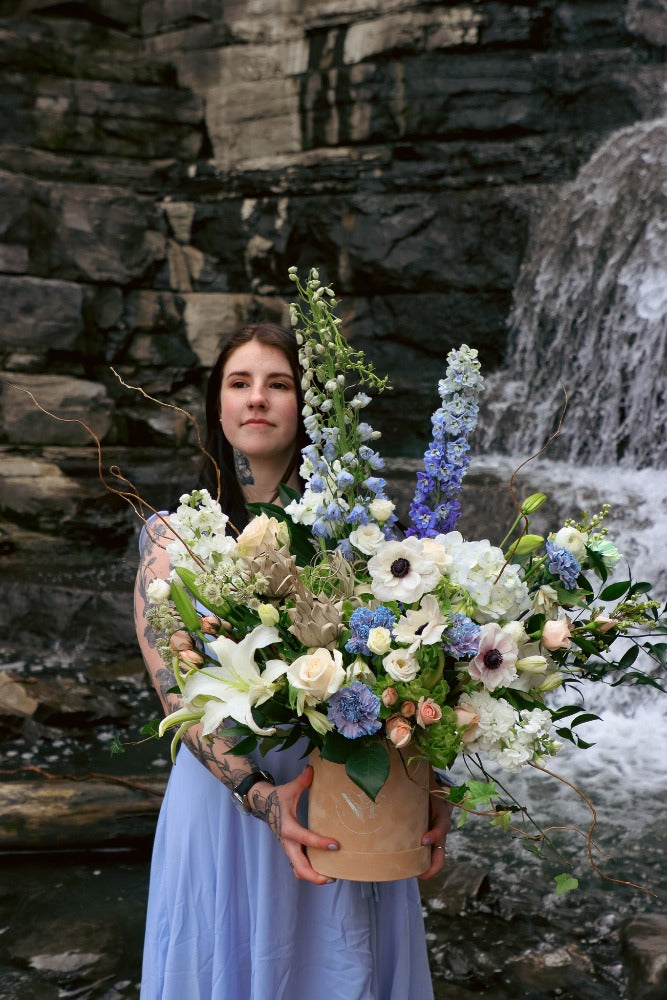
<point x="354" y="711"/>
<point x="563" y="564"/>
<point x="462" y="637"/>
<point x="435" y="507"/>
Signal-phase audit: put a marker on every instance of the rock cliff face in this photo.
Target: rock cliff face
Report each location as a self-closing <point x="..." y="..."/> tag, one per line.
<point x="163" y="163"/>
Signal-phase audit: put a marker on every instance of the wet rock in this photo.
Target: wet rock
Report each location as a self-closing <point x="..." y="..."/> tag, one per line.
<point x="448" y="893"/>
<point x="39" y="315"/>
<point x="550" y="970"/>
<point x="71" y="400"/>
<point x="644" y="946"/>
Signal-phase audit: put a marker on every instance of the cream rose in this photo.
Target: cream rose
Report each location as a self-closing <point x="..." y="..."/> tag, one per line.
<point x="399" y="731"/>
<point x="319" y="674"/>
<point x="467" y="720"/>
<point x="428" y="712"/>
<point x="556" y="634"/>
<point x="367" y="538"/>
<point x="379" y="640"/>
<point x="261" y="533"/>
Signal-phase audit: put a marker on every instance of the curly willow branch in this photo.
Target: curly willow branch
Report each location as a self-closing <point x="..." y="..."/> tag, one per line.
<point x="131" y="496"/>
<point x="589" y="836"/>
<point x="518" y="470"/>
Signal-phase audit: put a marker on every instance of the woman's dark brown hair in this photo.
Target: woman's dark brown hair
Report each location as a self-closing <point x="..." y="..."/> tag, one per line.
<point x="217" y="445"/>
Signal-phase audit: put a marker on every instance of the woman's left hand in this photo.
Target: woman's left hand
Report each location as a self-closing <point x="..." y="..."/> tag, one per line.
<point x="441" y="822"/>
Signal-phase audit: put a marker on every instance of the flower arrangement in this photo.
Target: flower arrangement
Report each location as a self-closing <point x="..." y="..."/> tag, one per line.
<point x="325" y="619"/>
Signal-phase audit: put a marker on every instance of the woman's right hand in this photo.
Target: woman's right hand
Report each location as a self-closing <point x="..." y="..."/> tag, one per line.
<point x="277" y="806"/>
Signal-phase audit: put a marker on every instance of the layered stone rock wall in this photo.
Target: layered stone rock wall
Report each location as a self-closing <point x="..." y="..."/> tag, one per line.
<point x="163" y="163"/>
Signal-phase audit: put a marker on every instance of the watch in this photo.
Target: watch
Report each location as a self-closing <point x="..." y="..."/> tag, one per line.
<point x="240" y="793"/>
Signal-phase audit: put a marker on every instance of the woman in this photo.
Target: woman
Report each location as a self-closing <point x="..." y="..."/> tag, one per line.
<point x="235" y="910"/>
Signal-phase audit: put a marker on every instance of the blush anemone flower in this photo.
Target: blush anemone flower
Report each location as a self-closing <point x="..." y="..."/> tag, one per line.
<point x="495" y="662"/>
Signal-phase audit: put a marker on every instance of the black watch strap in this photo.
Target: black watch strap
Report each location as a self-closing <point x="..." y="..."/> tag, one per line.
<point x="243" y="787"/>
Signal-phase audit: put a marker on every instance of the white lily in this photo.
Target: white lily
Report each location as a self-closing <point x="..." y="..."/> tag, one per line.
<point x="237" y="685"/>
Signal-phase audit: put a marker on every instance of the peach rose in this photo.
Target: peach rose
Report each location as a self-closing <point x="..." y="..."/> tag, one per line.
<point x="556" y="634"/>
<point x="468" y="721"/>
<point x="399" y="731"/>
<point x="389" y="696"/>
<point x="408" y="709"/>
<point x="428" y="712"/>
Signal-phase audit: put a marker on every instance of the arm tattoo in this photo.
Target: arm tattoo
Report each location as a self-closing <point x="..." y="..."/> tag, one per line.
<point x="268" y="809"/>
<point x="243" y="470"/>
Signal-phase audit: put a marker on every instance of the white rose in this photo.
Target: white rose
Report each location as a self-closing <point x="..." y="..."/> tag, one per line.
<point x="319" y="674"/>
<point x="367" y="538"/>
<point x="158" y="591"/>
<point x="572" y="539"/>
<point x="517" y="631"/>
<point x="381" y="510"/>
<point x="261" y="533"/>
<point x="401" y="665"/>
<point x="379" y="640"/>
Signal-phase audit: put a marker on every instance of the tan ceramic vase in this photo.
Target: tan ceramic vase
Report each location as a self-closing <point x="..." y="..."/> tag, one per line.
<point x="379" y="841"/>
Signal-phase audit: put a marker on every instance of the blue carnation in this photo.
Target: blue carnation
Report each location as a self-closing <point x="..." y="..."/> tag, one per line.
<point x="462" y="637"/>
<point x="354" y="711"/>
<point x="383" y="618"/>
<point x="563" y="564"/>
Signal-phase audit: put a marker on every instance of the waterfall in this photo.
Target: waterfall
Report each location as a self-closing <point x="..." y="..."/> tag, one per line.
<point x="590" y="316"/>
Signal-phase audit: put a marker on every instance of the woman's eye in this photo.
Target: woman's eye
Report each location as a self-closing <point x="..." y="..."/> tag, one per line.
<point x="238" y="383"/>
<point x="281" y="385"/>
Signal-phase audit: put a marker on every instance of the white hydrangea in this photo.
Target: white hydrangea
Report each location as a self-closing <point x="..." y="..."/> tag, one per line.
<point x="475" y="567"/>
<point x="509" y="739"/>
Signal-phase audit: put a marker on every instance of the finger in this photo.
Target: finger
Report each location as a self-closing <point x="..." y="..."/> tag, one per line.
<point x="436" y="835"/>
<point x="438" y="860"/>
<point x="304" y="871"/>
<point x="292" y="830"/>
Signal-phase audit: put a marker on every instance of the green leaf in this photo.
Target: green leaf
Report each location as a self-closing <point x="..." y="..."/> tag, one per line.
<point x="640" y="588"/>
<point x="244" y="747"/>
<point x="615" y="590"/>
<point x="565" y="883"/>
<point x="336" y="748"/>
<point x="186" y="612"/>
<point x="150" y="728"/>
<point x="368" y="767"/>
<point x="628" y="658"/>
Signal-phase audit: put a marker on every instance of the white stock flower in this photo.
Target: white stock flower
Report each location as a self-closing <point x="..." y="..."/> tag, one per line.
<point x="401" y="572"/>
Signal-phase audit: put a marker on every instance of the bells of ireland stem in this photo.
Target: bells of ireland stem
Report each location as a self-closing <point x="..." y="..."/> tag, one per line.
<point x="430" y="676"/>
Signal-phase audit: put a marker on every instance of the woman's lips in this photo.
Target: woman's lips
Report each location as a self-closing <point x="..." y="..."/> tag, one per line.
<point x="257" y="423"/>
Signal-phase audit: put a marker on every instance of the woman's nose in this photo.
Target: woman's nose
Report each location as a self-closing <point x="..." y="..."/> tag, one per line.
<point x="257" y="396"/>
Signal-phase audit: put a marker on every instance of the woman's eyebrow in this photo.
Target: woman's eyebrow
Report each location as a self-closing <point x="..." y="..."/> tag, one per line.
<point x="269" y="375"/>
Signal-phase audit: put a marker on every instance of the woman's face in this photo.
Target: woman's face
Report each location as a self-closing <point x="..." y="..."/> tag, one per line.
<point x="258" y="403"/>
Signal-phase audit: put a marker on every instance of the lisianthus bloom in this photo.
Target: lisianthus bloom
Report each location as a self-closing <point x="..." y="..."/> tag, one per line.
<point x="607" y="550"/>
<point x="379" y="640"/>
<point x="423" y="625"/>
<point x="401" y="572"/>
<point x="545" y="599"/>
<point x="362" y="620"/>
<point x="158" y="591"/>
<point x="367" y="539"/>
<point x="573" y="539"/>
<point x="354" y="711"/>
<point x="495" y="663"/>
<point x="401" y="665"/>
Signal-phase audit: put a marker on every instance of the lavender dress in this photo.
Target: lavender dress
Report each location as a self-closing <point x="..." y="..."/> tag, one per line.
<point x="227" y="919"/>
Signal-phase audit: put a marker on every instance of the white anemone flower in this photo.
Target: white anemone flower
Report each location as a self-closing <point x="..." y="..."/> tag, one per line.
<point x="421" y="626"/>
<point x="237" y="685"/>
<point x="400" y="571"/>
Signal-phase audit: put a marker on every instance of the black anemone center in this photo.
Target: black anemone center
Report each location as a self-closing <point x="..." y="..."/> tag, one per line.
<point x="493" y="659"/>
<point x="418" y="631"/>
<point x="400" y="567"/>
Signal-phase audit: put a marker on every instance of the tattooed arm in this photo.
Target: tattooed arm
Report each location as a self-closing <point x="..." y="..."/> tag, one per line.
<point x="275" y="805"/>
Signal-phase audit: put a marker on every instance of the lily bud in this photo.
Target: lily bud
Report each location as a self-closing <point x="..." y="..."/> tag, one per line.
<point x="526" y="544"/>
<point x="181" y="640"/>
<point x="191" y="658"/>
<point x="551" y="682"/>
<point x="532" y="664"/>
<point x="533" y="503"/>
<point x="210" y="624"/>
